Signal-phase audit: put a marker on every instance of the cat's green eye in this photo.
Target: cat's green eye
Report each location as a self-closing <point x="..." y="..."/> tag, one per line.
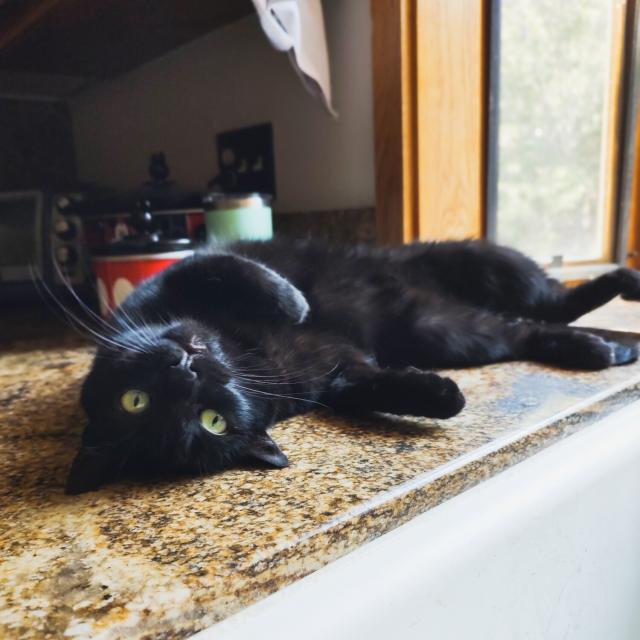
<point x="213" y="422"/>
<point x="134" y="401"/>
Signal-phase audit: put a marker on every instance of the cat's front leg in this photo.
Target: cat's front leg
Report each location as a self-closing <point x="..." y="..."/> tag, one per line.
<point x="402" y="392"/>
<point x="230" y="284"/>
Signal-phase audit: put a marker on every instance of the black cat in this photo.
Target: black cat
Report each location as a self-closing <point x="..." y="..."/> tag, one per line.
<point x="203" y="358"/>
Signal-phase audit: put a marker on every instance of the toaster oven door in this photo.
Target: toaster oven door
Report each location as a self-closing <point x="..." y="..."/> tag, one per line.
<point x="21" y="235"/>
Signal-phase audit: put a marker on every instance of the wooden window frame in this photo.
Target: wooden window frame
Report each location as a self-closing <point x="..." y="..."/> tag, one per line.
<point x="394" y="102"/>
<point x="628" y="233"/>
<point x="432" y="119"/>
<point x="613" y="143"/>
<point x="632" y="256"/>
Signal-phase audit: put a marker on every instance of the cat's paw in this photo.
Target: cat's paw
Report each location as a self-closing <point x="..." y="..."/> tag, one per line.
<point x="629" y="281"/>
<point x="623" y="353"/>
<point x="290" y="300"/>
<point x="443" y="399"/>
<point x="591" y="352"/>
<point x="293" y="303"/>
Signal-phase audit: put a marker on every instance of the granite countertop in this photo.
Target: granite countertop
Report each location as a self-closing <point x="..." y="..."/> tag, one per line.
<point x="164" y="560"/>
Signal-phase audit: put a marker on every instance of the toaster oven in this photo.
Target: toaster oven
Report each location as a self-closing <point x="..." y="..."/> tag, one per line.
<point x="39" y="232"/>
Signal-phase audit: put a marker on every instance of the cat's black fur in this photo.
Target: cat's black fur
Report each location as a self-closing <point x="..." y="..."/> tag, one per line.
<point x="263" y="331"/>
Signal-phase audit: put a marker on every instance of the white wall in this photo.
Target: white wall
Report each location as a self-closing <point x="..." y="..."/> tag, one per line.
<point x="232" y="78"/>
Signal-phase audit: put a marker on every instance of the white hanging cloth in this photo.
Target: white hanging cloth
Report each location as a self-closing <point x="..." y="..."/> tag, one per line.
<point x="297" y="26"/>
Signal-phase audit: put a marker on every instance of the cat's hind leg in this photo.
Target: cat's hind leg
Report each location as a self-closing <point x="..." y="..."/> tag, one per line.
<point x="572" y="348"/>
<point x="503" y="280"/>
<point x="568" y="304"/>
<point x="466" y="337"/>
<point x="447" y="336"/>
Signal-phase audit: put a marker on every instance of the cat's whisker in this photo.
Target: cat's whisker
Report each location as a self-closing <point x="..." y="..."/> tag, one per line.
<point x="131" y="324"/>
<point x="296" y="376"/>
<point x="286" y="380"/>
<point x="38" y="284"/>
<point x="251" y="391"/>
<point x="125" y="342"/>
<point x="137" y="325"/>
<point x="142" y="327"/>
<point x="316" y="352"/>
<point x="73" y="320"/>
<point x="76" y="322"/>
<point x="119" y="317"/>
<point x="150" y="332"/>
<point x="83" y="306"/>
<point x="270" y="368"/>
<point x="261" y="365"/>
<point x="141" y="331"/>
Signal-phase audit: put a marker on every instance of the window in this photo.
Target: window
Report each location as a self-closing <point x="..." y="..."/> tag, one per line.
<point x="509" y="119"/>
<point x="556" y="107"/>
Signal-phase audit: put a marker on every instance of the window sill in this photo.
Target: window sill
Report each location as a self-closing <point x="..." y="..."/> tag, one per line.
<point x="580" y="271"/>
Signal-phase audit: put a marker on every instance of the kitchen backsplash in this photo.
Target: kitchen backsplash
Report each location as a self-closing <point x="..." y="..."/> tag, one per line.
<point x="341" y="226"/>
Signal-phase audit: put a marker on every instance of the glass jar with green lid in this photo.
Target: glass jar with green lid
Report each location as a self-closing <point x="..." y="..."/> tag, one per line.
<point x="238" y="216"/>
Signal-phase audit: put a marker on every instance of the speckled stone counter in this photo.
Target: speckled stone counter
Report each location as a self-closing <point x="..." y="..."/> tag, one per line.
<point x="164" y="560"/>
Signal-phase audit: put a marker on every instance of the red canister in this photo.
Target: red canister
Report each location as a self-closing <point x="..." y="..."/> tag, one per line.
<point x="120" y="267"/>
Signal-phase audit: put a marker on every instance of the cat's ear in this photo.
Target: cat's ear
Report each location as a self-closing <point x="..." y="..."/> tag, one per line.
<point x="264" y="449"/>
<point x="92" y="467"/>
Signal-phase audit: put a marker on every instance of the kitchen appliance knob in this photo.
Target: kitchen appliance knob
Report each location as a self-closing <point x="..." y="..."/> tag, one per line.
<point x="65" y="229"/>
<point x="66" y="255"/>
<point x="63" y="202"/>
